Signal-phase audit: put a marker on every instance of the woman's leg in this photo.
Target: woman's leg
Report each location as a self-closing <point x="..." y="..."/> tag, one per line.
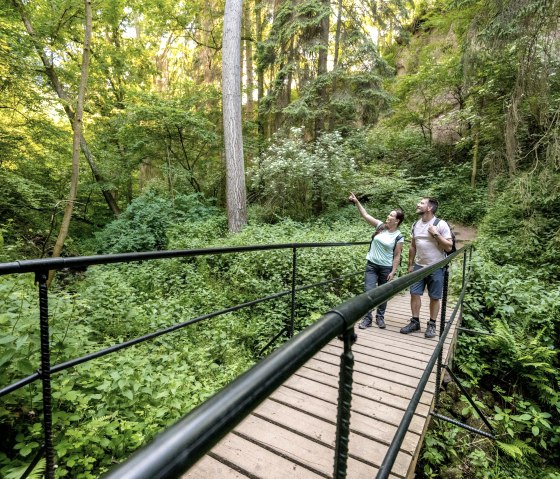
<point x="382" y="273"/>
<point x="370" y="282"/>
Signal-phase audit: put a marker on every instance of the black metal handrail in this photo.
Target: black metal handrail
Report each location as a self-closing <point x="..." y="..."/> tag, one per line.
<point x="41" y="267"/>
<point x="178" y="448"/>
<point x="175" y="450"/>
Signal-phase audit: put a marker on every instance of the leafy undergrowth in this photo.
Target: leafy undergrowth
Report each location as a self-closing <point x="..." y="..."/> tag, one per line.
<point x="107" y="408"/>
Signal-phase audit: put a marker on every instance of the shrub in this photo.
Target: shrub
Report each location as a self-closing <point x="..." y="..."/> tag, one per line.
<point x="298" y="179"/>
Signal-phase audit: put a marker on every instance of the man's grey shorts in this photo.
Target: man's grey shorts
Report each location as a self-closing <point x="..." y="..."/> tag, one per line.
<point x="434" y="282"/>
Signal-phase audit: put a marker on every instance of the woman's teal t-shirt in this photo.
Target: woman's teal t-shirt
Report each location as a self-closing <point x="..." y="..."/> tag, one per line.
<point x="381" y="250"/>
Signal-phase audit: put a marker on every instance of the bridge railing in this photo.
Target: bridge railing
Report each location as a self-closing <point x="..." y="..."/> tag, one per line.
<point x="41" y="267"/>
<point x="178" y="448"/>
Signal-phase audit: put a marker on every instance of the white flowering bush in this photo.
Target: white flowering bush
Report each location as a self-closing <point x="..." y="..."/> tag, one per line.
<point x="298" y="179"/>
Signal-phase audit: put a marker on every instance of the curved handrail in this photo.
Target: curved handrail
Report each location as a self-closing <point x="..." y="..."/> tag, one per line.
<point x="45" y="264"/>
<point x="175" y="450"/>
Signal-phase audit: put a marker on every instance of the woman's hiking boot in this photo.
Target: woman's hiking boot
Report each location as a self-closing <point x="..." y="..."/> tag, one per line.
<point x="366" y="323"/>
<point x="380" y="323"/>
<point x="414" y="325"/>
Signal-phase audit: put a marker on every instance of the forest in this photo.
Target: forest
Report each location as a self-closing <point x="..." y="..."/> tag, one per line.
<point x="115" y="136"/>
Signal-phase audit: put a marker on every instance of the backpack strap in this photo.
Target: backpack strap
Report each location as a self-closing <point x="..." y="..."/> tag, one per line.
<point x="413" y="225"/>
<point x="397" y="239"/>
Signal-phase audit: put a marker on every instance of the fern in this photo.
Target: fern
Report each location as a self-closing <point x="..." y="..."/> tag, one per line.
<point x="517" y="449"/>
<point x="37" y="473"/>
<point x="530" y="360"/>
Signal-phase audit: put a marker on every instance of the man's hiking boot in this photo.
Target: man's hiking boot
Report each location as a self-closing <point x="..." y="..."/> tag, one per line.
<point x="366" y="323"/>
<point x="431" y="329"/>
<point x="414" y="325"/>
<point x="380" y="323"/>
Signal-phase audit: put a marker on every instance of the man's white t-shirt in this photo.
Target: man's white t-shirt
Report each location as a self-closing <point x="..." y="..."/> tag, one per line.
<point x="427" y="249"/>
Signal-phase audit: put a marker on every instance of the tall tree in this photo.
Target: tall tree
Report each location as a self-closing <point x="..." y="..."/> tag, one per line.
<point x="56" y="84"/>
<point x="233" y="138"/>
<point x="77" y="127"/>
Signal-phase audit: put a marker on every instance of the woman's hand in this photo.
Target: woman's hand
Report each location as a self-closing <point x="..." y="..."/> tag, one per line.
<point x="353" y="198"/>
<point x="391" y="275"/>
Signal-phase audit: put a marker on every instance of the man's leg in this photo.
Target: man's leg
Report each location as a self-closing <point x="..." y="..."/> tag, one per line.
<point x="434" y="308"/>
<point x="415" y="305"/>
<point x="416" y="291"/>
<point x="435" y="291"/>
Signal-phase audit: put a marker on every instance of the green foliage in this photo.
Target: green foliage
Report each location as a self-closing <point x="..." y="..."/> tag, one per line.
<point x="107" y="408"/>
<point x="143" y="226"/>
<point x="523" y="228"/>
<point x="299" y="179"/>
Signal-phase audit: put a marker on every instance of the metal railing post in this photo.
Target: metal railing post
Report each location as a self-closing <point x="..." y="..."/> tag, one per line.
<point x="441" y="328"/>
<point x="290" y="328"/>
<point x="45" y="371"/>
<point x="464" y="270"/>
<point x="344" y="404"/>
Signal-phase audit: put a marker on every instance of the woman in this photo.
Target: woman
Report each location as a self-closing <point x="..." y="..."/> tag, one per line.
<point x="384" y="255"/>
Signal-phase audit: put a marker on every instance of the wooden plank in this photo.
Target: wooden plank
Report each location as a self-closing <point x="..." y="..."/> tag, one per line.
<point x="297" y="448"/>
<point x="368" y="378"/>
<point x="360" y="423"/>
<point x="255" y="461"/>
<point x="369" y="392"/>
<point x="331" y="360"/>
<point x="360" y="447"/>
<point x="208" y="467"/>
<point x="292" y="434"/>
<point x="366" y="406"/>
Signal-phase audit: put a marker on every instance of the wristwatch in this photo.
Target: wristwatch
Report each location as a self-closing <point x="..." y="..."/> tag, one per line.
<point x="435" y="234"/>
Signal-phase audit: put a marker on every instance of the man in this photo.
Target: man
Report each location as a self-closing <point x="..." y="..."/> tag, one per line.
<point x="428" y="246"/>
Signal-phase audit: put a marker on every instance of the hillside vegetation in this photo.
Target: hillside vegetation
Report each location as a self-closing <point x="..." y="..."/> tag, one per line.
<point x="457" y="100"/>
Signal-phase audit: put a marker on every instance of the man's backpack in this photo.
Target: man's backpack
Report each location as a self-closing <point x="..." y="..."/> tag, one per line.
<point x="453" y="240"/>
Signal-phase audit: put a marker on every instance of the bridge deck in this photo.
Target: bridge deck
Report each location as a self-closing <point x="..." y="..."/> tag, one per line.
<point x="292" y="434"/>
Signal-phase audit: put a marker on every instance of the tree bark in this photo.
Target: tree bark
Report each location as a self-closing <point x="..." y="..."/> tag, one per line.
<point x="233" y="138"/>
<point x="475" y="157"/>
<point x="260" y="75"/>
<point x="322" y="64"/>
<point x="248" y="58"/>
<point x="59" y="90"/>
<point x="65" y="224"/>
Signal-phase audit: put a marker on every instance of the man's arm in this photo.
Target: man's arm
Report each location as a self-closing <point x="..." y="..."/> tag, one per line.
<point x="444" y="243"/>
<point x="411" y="255"/>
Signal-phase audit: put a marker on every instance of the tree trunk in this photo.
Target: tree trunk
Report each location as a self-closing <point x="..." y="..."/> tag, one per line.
<point x="260" y="75"/>
<point x="233" y="138"/>
<point x="65" y="225"/>
<point x="248" y="59"/>
<point x="59" y="90"/>
<point x="322" y="65"/>
<point x="332" y="124"/>
<point x="475" y="157"/>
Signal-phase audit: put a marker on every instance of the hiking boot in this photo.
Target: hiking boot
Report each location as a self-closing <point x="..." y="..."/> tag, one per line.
<point x="414" y="325"/>
<point x="366" y="323"/>
<point x="430" y="330"/>
<point x="380" y="322"/>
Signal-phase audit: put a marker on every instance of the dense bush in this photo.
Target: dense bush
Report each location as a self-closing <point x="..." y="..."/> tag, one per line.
<point x="144" y="224"/>
<point x="107" y="408"/>
<point x="298" y="179"/>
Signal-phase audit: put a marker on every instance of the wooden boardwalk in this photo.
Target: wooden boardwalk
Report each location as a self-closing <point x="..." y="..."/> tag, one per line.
<point x="292" y="434"/>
